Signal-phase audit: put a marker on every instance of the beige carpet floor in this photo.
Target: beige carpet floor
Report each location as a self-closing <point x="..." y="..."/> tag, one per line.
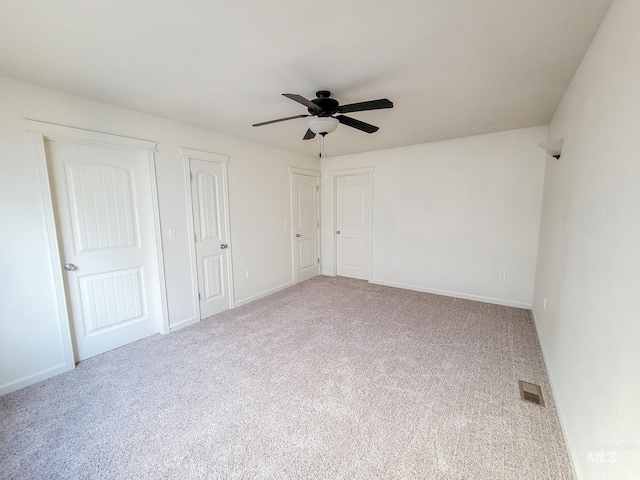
<point x="331" y="379"/>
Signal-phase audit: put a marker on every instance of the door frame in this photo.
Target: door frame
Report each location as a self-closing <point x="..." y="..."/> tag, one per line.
<point x="333" y="175"/>
<point x="223" y="160"/>
<point x="42" y="131"/>
<point x="294" y="259"/>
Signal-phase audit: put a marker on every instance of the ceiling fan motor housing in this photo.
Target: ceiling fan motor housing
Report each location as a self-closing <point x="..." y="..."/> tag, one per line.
<point x="328" y="105"/>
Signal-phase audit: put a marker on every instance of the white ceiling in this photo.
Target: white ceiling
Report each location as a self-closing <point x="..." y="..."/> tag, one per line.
<point x="453" y="68"/>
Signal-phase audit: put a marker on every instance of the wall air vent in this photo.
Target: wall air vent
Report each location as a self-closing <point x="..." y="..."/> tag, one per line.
<point x="530" y="392"/>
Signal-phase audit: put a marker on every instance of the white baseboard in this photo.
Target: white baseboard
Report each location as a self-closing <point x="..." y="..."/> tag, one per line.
<point x="328" y="273"/>
<point x="466" y="296"/>
<point x="183" y="323"/>
<point x="35" y="378"/>
<point x="572" y="460"/>
<point x="239" y="303"/>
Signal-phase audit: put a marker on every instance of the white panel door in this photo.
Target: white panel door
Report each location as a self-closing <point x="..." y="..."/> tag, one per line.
<point x="102" y="200"/>
<point x="306" y="227"/>
<point x="352" y="226"/>
<point x="211" y="236"/>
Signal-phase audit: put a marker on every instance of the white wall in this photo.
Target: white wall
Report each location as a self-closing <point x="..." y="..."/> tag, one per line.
<point x="452" y="214"/>
<point x="589" y="257"/>
<point x="30" y="340"/>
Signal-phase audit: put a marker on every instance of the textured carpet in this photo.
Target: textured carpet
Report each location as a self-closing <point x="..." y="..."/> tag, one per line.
<point x="333" y="378"/>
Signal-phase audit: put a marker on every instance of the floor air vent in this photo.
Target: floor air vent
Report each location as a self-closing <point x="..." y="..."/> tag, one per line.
<point x="531" y="392"/>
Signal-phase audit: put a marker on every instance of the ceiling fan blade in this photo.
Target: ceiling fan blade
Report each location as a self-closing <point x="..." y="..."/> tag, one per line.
<point x="278" y="120"/>
<point x="303" y="101"/>
<point x="370" y="105"/>
<point x="309" y="135"/>
<point x="352" y="122"/>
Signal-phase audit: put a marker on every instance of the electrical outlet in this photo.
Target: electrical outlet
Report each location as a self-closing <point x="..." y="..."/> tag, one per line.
<point x="172" y="234"/>
<point x="494" y="274"/>
<point x="504" y="275"/>
<point x="394" y="262"/>
<point x="248" y="273"/>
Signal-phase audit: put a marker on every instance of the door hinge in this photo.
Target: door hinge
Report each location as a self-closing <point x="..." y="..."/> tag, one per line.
<point x="317" y="188"/>
<point x="195" y="237"/>
<point x="318" y="260"/>
<point x="199" y="297"/>
<point x="191" y="176"/>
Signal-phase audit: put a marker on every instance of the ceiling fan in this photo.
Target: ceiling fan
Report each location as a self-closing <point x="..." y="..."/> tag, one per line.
<point x="322" y="110"/>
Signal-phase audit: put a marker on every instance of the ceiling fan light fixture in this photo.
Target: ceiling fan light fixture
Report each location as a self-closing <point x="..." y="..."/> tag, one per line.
<point x="323" y="125"/>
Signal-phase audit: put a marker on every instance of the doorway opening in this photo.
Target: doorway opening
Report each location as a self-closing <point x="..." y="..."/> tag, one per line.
<point x="206" y="186"/>
<point x="352" y="222"/>
<point x="305" y="223"/>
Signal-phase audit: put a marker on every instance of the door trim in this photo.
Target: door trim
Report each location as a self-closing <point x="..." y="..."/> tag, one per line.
<point x="294" y="261"/>
<point x="42" y="131"/>
<point x="334" y="174"/>
<point x="224" y="160"/>
<point x="304" y="171"/>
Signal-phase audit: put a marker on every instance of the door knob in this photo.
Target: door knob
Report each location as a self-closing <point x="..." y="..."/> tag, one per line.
<point x="69" y="267"/>
<point x="223" y="246"/>
<point x="338" y="232"/>
<point x="298" y="235"/>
